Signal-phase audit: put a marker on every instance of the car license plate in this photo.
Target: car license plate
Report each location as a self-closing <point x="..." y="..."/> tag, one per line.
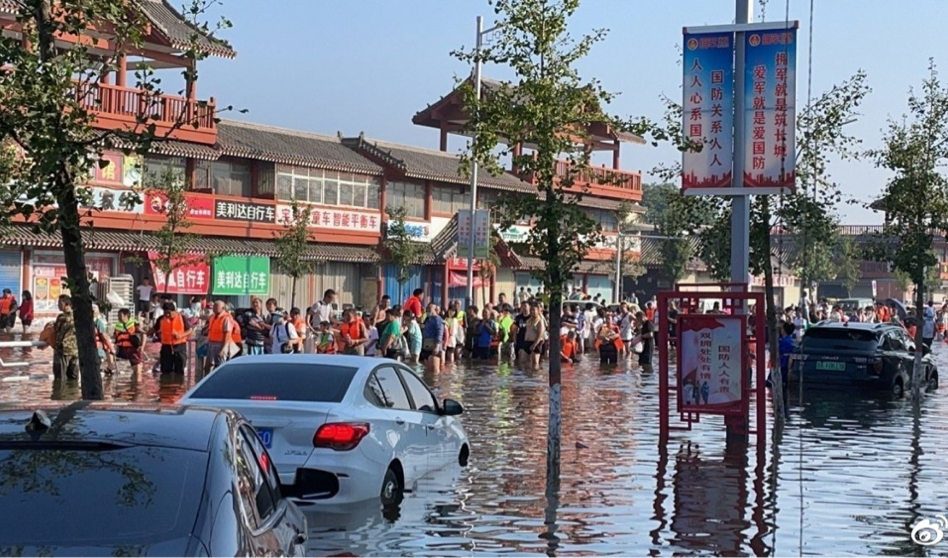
<point x="266" y="436"/>
<point x="831" y="366"/>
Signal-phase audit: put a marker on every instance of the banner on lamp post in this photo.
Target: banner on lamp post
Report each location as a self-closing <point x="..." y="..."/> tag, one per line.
<point x="481" y="226"/>
<point x="708" y="110"/>
<point x="770" y="110"/>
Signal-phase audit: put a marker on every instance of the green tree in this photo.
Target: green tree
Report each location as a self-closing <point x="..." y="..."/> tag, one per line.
<point x="401" y="249"/>
<point x="550" y="110"/>
<point x="915" y="200"/>
<point x="676" y="219"/>
<point x="175" y="245"/>
<point x="292" y="245"/>
<point x="43" y="85"/>
<point x="847" y="255"/>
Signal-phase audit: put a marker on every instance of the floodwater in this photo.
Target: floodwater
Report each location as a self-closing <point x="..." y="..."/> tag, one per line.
<point x="849" y="475"/>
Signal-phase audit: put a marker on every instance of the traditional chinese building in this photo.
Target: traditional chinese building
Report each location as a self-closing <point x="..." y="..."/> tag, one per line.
<point x="242" y="177"/>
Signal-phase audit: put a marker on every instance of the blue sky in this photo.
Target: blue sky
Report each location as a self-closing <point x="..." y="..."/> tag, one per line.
<point x="369" y="65"/>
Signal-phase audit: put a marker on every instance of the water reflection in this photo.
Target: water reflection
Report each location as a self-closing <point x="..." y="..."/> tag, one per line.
<point x="849" y="473"/>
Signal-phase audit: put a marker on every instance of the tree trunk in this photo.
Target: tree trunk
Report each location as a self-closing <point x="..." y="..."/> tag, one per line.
<point x="293" y="294"/>
<point x="73" y="253"/>
<point x="918" y="374"/>
<point x="555" y="419"/>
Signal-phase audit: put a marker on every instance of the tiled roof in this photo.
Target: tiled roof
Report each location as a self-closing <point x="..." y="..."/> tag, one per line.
<point x="597" y="267"/>
<point x="651" y="254"/>
<point x="290" y="147"/>
<point x="180" y="32"/>
<point x="429" y="164"/>
<point x="142" y="242"/>
<point x="174" y="148"/>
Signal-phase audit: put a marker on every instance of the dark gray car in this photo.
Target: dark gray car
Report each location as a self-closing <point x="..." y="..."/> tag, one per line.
<point x="872" y="355"/>
<point x="96" y="479"/>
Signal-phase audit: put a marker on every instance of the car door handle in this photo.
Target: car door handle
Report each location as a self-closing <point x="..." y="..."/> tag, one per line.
<point x="399" y="421"/>
<point x="299" y="539"/>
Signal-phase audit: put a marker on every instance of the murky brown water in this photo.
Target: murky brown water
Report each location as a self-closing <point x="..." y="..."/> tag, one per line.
<point x="849" y="476"/>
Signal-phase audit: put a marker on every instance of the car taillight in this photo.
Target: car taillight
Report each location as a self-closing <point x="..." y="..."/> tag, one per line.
<point x="876" y="368"/>
<point x="340" y="436"/>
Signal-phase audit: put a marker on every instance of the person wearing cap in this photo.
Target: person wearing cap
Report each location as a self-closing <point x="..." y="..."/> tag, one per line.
<point x="282" y="334"/>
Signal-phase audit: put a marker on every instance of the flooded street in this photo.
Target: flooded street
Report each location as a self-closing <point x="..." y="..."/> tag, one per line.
<point x="850" y="475"/>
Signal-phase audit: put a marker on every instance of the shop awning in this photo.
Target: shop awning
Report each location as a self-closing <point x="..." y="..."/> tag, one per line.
<point x="459" y="279"/>
<point x="119" y="241"/>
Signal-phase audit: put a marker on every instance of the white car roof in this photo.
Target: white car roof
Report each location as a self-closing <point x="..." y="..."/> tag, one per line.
<point x="328" y="360"/>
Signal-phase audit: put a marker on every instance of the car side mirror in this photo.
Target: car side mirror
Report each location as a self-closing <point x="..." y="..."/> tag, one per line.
<point x="451" y="408"/>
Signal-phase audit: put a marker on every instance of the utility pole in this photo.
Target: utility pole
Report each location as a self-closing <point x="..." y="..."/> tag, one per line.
<point x="740" y="204"/>
<point x="477" y="95"/>
<point x="617" y="292"/>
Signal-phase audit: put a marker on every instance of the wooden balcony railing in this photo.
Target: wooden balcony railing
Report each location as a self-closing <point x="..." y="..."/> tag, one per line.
<point x="120" y="107"/>
<point x="601" y="180"/>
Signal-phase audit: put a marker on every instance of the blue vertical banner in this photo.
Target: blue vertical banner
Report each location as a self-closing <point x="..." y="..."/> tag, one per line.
<point x="708" y="110"/>
<point x="770" y="110"/>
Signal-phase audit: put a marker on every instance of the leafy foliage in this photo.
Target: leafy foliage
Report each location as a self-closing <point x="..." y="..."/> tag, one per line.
<point x="676" y="219"/>
<point x="175" y="244"/>
<point x="292" y="245"/>
<point x="43" y="115"/>
<point x="550" y="109"/>
<point x="402" y="250"/>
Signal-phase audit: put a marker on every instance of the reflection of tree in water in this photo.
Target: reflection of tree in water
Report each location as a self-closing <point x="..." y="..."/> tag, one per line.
<point x="44" y="470"/>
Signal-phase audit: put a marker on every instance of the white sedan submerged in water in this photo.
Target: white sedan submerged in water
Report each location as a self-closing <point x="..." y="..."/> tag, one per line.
<point x="340" y="429"/>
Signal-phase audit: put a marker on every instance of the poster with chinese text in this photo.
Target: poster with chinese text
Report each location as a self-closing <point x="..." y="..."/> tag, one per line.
<point x="708" y="110"/>
<point x="481" y="225"/>
<point x="241" y="275"/>
<point x="770" y="110"/>
<point x="710" y="363"/>
<point x="191" y="275"/>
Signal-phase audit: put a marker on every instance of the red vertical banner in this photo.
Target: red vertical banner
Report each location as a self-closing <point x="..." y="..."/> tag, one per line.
<point x="711" y="363"/>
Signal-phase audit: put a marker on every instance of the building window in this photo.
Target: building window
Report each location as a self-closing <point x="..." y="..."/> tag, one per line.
<point x="450" y="200"/>
<point x="327" y="187"/>
<point x="156" y="167"/>
<point x="231" y="178"/>
<point x="606" y="219"/>
<point x="408" y="195"/>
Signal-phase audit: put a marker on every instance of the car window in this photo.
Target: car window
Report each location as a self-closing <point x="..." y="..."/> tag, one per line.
<point x="254" y="491"/>
<point x="392" y="388"/>
<point x="265" y="463"/>
<point x="277" y="382"/>
<point x="839" y="338"/>
<point x="907" y="341"/>
<point x="128" y="496"/>
<point x="420" y="394"/>
<point x="896" y="343"/>
<point x="373" y="392"/>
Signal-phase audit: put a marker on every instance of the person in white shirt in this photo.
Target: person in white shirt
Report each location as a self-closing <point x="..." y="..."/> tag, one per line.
<point x="144" y="294"/>
<point x="626" y="321"/>
<point x="282" y="333"/>
<point x="372" y="344"/>
<point x="322" y="311"/>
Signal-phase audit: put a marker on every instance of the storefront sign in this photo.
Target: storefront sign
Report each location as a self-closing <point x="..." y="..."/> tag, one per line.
<point x="131" y="171"/>
<point x="481" y="225"/>
<point x="516" y="233"/>
<point x="111" y="172"/>
<point x="241" y="275"/>
<point x="338" y="219"/>
<point x="243" y="211"/>
<point x="781" y="280"/>
<point x="711" y="363"/>
<point x="770" y="109"/>
<point x="48" y="274"/>
<point x="109" y="199"/>
<point x="191" y="275"/>
<point x="708" y="109"/>
<point x="198" y="207"/>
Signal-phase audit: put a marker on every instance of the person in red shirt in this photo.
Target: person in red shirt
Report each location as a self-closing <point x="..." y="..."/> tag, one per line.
<point x="568" y="344"/>
<point x="416" y="303"/>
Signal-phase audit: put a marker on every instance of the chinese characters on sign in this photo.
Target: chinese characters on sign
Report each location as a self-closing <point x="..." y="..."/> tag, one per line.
<point x="710" y="363"/>
<point x="241" y="211"/>
<point x="333" y="219"/>
<point x="481" y="225"/>
<point x="198" y="207"/>
<point x="107" y="199"/>
<point x="187" y="277"/>
<point x="241" y="275"/>
<point x="770" y="109"/>
<point x="708" y="109"/>
<point x="111" y="173"/>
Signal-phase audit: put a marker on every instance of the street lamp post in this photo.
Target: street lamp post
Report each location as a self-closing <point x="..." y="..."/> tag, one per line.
<point x="481" y="32"/>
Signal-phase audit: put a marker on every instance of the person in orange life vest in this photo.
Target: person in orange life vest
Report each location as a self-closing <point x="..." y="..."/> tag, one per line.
<point x="128" y="341"/>
<point x="8" y="307"/>
<point x="568" y="347"/>
<point x="352" y="334"/>
<point x="299" y="323"/>
<point x="608" y="341"/>
<point x="325" y="341"/>
<point x="219" y="329"/>
<point x="173" y="331"/>
<point x="415" y="303"/>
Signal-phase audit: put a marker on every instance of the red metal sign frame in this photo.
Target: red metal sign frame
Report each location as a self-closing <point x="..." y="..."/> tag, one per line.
<point x="734" y="303"/>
